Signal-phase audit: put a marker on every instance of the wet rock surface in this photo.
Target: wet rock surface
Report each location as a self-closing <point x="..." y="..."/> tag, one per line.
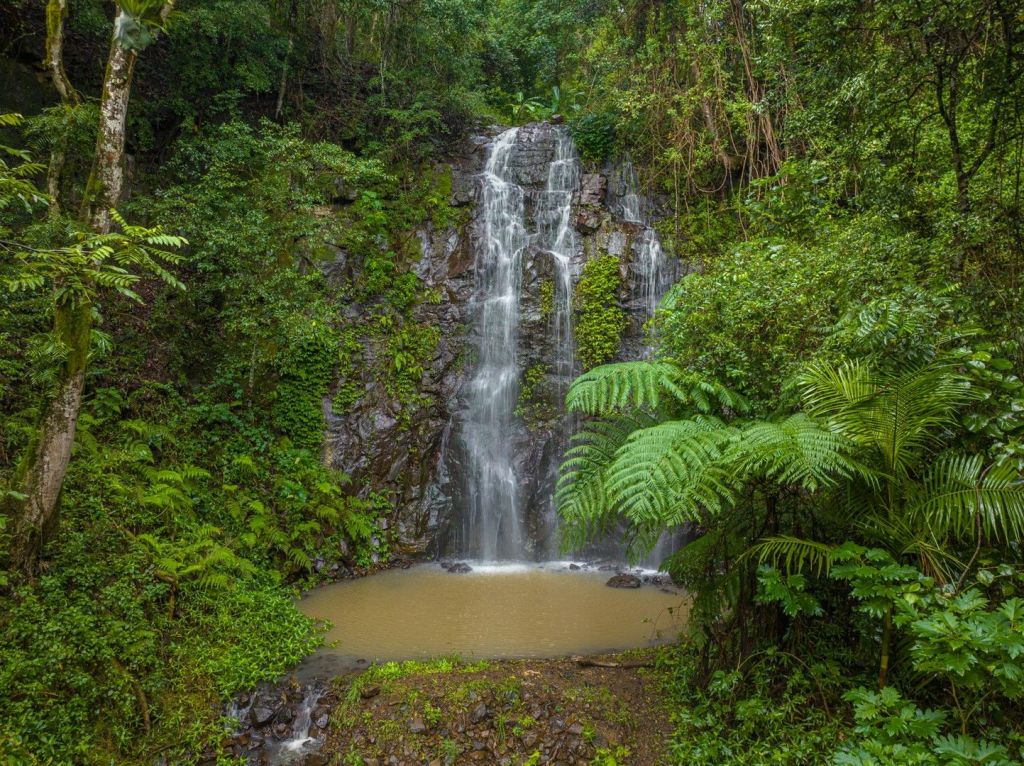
<point x="456" y="567"/>
<point x="277" y="724"/>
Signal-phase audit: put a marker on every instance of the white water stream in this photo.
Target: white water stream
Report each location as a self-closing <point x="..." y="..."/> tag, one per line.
<point x="493" y="524"/>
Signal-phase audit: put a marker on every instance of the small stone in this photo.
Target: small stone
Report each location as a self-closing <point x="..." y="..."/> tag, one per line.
<point x="261" y="715"/>
<point x="574" y="567"/>
<point x="480" y="712"/>
<point x="322" y="721"/>
<point x="460" y="567"/>
<point x="369" y="691"/>
<point x="285" y="715"/>
<point x="417" y="726"/>
<point x="576" y="729"/>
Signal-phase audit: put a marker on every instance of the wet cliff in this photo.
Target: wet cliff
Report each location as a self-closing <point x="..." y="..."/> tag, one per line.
<point x="426" y="461"/>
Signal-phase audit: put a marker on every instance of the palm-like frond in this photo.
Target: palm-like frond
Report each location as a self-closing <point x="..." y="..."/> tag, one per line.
<point x="613" y="388"/>
<point x="792" y="554"/>
<point x="958" y="498"/>
<point x="896" y="416"/>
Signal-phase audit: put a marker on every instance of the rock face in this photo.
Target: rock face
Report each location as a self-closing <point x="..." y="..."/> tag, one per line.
<point x="278" y="723"/>
<point x="418" y="460"/>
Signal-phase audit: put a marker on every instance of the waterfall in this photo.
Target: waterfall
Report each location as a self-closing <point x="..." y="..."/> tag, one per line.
<point x="494" y="522"/>
<point x="630" y="196"/>
<point x="492" y="525"/>
<point x="649" y="264"/>
<point x="653" y="280"/>
<point x="556" y="236"/>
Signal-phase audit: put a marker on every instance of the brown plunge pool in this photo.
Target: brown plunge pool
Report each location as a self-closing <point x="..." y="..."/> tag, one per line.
<point x="493" y="611"/>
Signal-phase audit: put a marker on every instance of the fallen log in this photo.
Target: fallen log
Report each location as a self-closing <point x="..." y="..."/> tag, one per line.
<point x="590" y="662"/>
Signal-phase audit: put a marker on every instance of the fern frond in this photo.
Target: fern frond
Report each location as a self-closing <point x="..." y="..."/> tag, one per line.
<point x="616" y="388"/>
<point x="670" y="473"/>
<point x="797" y="450"/>
<point x="613" y="388"/>
<point x="579" y="494"/>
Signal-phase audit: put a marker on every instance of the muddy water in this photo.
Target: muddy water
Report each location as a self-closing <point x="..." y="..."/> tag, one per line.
<point x="495" y="611"/>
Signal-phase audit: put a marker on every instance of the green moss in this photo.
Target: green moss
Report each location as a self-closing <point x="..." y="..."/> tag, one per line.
<point x="306" y="368"/>
<point x="600" y="319"/>
<point x="547" y="299"/>
<point x="535" y="406"/>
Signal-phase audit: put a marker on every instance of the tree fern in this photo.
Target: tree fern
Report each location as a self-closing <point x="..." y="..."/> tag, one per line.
<point x="670" y="473"/>
<point x="579" y="493"/>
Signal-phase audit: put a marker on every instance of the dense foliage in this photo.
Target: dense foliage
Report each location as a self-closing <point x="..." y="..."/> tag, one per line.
<point x="833" y="403"/>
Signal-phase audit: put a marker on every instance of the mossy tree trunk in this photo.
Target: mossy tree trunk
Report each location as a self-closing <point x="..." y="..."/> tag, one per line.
<point x="56" y="12"/>
<point x="46" y="459"/>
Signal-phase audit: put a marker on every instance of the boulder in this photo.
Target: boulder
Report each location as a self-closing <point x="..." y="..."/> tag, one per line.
<point x="624" y="581"/>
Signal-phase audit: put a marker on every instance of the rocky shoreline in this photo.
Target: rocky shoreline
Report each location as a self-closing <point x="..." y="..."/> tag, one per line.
<point x="563" y="711"/>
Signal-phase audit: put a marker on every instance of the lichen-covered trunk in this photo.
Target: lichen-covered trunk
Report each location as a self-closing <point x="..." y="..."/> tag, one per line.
<point x="56" y="11"/>
<point x="106" y="181"/>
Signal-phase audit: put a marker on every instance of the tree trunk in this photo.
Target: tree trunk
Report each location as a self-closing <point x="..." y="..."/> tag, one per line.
<point x="106" y="181"/>
<point x="48" y="456"/>
<point x="49" y="453"/>
<point x="883" y="665"/>
<point x="56" y="12"/>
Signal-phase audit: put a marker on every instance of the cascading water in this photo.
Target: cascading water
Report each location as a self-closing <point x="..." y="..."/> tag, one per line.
<point x="557" y="237"/>
<point x="520" y="224"/>
<point x="492" y="525"/>
<point x="650" y="263"/>
<point x="494" y="522"/>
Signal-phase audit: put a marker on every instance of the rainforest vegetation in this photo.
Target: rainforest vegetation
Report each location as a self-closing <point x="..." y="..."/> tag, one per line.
<point x="833" y="397"/>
